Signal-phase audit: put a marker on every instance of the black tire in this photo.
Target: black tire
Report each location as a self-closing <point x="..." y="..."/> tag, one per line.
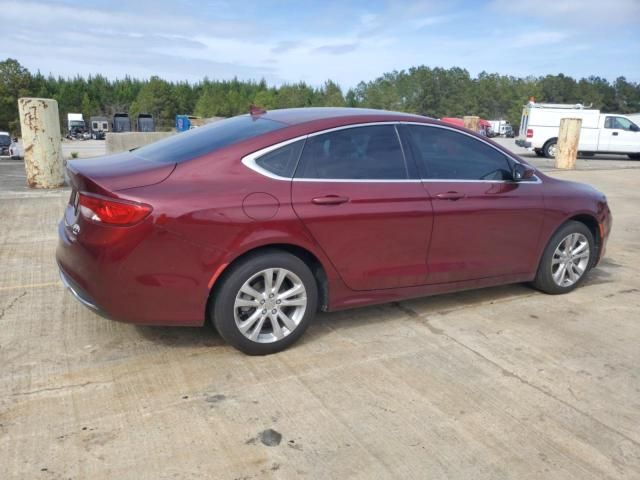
<point x="222" y="308"/>
<point x="538" y="152"/>
<point x="547" y="148"/>
<point x="634" y="156"/>
<point x="544" y="278"/>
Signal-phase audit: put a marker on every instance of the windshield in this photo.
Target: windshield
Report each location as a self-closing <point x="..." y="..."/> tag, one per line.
<point x="193" y="143"/>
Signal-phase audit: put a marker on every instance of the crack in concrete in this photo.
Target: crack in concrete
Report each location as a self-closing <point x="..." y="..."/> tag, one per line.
<point x="63" y="387"/>
<point x="508" y="373"/>
<point x="12" y="303"/>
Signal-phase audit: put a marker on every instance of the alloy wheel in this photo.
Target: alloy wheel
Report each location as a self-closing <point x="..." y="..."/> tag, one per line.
<point x="570" y="260"/>
<point x="270" y="305"/>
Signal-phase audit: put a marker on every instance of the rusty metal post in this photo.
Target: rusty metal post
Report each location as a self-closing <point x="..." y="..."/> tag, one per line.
<point x="568" y="139"/>
<point x="472" y="122"/>
<point x="42" y="141"/>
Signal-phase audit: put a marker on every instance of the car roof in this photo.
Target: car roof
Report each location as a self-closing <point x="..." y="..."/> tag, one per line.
<point x="297" y="116"/>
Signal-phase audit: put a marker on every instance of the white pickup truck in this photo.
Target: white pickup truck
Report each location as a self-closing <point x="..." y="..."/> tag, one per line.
<point x="601" y="132"/>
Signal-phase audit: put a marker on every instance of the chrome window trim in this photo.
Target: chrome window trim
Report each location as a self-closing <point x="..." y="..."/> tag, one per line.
<point x="453" y="180"/>
<point x="249" y="160"/>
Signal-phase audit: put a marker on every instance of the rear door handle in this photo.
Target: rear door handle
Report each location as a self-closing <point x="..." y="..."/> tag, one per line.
<point x="330" y="200"/>
<point x="450" y="196"/>
<point x="615" y="134"/>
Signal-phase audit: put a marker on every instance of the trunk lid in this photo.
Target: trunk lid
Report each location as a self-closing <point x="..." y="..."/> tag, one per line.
<point x="117" y="172"/>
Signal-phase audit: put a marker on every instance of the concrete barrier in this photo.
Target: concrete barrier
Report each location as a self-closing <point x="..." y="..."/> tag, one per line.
<point x="568" y="140"/>
<point x="40" y="127"/>
<point x="121" y="142"/>
<point x="472" y="122"/>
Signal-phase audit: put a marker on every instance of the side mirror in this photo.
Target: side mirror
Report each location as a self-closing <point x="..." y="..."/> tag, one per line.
<point x="521" y="172"/>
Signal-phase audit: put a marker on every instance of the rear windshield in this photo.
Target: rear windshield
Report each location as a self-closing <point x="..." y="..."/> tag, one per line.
<point x="199" y="141"/>
<point x="5" y="140"/>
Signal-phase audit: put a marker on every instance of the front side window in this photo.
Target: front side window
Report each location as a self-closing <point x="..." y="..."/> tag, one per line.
<point x="357" y="153"/>
<point x="619" y="123"/>
<point x="444" y="154"/>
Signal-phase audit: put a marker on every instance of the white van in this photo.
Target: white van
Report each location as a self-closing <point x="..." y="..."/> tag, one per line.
<point x="601" y="132"/>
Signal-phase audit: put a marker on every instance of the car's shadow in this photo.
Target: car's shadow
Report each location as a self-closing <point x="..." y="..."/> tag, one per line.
<point x="326" y="322"/>
<point x="182" y="336"/>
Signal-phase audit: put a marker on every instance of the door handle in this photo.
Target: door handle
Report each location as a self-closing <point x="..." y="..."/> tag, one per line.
<point x="615" y="134"/>
<point x="330" y="200"/>
<point x="450" y="196"/>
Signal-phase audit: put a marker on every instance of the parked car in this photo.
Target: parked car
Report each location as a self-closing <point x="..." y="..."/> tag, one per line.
<point x="5" y="143"/>
<point x="15" y="150"/>
<point x="259" y="221"/>
<point x="608" y="133"/>
<point x="508" y="131"/>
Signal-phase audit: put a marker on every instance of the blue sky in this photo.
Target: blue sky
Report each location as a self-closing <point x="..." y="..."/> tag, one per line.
<point x="311" y="41"/>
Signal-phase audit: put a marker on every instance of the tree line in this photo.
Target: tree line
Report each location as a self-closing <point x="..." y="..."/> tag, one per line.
<point x="435" y="92"/>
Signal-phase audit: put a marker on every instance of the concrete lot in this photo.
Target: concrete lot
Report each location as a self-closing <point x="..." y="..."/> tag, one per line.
<point x="498" y="383"/>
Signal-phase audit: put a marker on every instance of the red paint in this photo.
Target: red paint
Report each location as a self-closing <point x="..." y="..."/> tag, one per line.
<point x="386" y="242"/>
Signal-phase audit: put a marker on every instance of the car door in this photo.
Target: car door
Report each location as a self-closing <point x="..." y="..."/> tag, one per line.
<point x="485" y="225"/>
<point x="365" y="206"/>
<point x="619" y="135"/>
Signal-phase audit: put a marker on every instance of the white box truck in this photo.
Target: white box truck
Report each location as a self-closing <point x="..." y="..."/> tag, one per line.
<point x="501" y="127"/>
<point x="608" y="133"/>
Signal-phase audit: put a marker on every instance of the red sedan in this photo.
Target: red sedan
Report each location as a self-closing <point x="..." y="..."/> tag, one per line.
<point x="259" y="221"/>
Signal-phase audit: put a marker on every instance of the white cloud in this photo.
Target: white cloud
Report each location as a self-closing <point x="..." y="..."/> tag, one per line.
<point x="537" y="39"/>
<point x="348" y="42"/>
<point x="598" y="13"/>
<point x="431" y="21"/>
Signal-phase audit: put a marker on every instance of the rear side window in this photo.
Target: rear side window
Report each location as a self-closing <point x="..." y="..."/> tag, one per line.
<point x="282" y="162"/>
<point x="199" y="141"/>
<point x="358" y="153"/>
<point x="444" y="154"/>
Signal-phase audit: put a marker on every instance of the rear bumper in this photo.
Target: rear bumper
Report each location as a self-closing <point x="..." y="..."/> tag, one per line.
<point x="124" y="281"/>
<point x="79" y="294"/>
<point x="523" y="143"/>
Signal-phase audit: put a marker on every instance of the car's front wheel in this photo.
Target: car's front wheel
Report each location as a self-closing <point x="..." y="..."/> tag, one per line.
<point x="265" y="302"/>
<point x="566" y="259"/>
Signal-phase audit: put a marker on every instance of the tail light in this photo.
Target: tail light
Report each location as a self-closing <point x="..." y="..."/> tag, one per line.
<point x="111" y="211"/>
<point x="529" y="132"/>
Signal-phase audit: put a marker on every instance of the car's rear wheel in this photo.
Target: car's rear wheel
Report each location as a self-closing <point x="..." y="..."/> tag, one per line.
<point x="265" y="302"/>
<point x="566" y="259"/>
<point x="550" y="148"/>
